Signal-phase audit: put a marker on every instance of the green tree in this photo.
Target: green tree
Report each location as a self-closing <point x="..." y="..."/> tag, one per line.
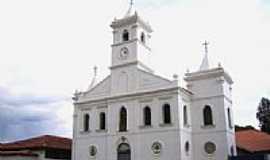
<point x="263" y="115"/>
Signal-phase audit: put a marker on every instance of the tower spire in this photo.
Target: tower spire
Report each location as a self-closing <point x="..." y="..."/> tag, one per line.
<point x="94" y="78"/>
<point x="131" y="2"/>
<point x="131" y="8"/>
<point x="205" y="62"/>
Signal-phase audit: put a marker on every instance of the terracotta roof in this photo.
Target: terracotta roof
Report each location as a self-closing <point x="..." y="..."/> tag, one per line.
<point x="41" y="142"/>
<point x="18" y="153"/>
<point x="253" y="141"/>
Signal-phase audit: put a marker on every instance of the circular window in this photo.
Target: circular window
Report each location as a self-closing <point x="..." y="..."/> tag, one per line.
<point x="187" y="147"/>
<point x="93" y="151"/>
<point x="156" y="147"/>
<point x="210" y="148"/>
<point x="124" y="52"/>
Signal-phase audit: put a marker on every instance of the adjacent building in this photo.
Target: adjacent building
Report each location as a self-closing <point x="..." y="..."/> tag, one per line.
<point x="39" y="148"/>
<point x="252" y="145"/>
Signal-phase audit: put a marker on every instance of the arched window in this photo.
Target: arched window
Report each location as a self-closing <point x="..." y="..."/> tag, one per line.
<point x="185" y="116"/>
<point x="166" y="114"/>
<point x="143" y="37"/>
<point x="229" y="118"/>
<point x="123" y="120"/>
<point x="207" y="115"/>
<point x="123" y="152"/>
<point x="86" y="119"/>
<point x="187" y="147"/>
<point x="102" y="121"/>
<point x="147" y="116"/>
<point x="125" y="35"/>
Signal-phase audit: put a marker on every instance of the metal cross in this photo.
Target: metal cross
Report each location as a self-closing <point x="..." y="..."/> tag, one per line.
<point x="206" y="46"/>
<point x="95" y="70"/>
<point x="131" y="2"/>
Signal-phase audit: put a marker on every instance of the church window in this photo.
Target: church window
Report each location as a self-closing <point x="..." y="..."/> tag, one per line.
<point x="86" y="119"/>
<point x="125" y="35"/>
<point x="187" y="147"/>
<point x="92" y="151"/>
<point x="156" y="148"/>
<point x="143" y="37"/>
<point x="210" y="148"/>
<point x="185" y="116"/>
<point x="123" y="120"/>
<point x="229" y="118"/>
<point x="123" y="152"/>
<point x="207" y="115"/>
<point x="147" y="116"/>
<point x="102" y="121"/>
<point x="166" y="114"/>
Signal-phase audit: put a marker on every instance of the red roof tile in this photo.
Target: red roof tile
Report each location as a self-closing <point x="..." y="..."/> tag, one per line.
<point x="253" y="141"/>
<point x="41" y="142"/>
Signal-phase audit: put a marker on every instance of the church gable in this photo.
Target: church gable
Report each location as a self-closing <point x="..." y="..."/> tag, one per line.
<point x="151" y="81"/>
<point x="101" y="89"/>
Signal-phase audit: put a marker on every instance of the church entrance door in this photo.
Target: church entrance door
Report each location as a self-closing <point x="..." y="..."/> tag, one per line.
<point x="123" y="152"/>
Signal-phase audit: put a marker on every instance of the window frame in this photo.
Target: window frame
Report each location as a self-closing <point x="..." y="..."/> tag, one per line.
<point x="102" y="121"/>
<point x="208" y="119"/>
<point x="185" y="115"/>
<point x="166" y="113"/>
<point x="123" y="119"/>
<point x="147" y="116"/>
<point x="229" y="118"/>
<point x="125" y="35"/>
<point x="86" y="122"/>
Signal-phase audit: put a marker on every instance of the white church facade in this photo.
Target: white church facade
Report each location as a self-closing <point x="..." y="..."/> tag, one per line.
<point x="134" y="114"/>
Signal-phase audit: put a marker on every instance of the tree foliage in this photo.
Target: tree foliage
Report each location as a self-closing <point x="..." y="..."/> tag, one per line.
<point x="263" y="114"/>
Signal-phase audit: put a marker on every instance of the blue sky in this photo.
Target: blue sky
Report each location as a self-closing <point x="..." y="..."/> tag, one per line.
<point x="48" y="49"/>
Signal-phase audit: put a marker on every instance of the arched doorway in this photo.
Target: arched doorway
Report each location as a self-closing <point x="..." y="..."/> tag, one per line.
<point x="123" y="152"/>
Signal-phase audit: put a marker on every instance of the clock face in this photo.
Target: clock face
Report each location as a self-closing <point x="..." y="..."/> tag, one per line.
<point x="124" y="53"/>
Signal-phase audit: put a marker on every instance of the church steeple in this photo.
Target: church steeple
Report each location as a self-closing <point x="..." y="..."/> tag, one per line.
<point x="205" y="62"/>
<point x="131" y="11"/>
<point x="131" y="37"/>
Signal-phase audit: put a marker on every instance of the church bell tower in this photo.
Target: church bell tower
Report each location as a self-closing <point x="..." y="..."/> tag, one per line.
<point x="130" y="51"/>
<point x="213" y="125"/>
<point x="131" y="36"/>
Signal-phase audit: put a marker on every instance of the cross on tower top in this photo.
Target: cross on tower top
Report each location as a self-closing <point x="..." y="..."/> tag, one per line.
<point x="95" y="70"/>
<point x="206" y="46"/>
<point x="131" y="2"/>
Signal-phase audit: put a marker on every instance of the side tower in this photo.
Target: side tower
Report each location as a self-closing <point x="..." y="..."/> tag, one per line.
<point x="213" y="134"/>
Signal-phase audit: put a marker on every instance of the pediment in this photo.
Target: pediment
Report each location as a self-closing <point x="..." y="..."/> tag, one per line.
<point x="99" y="90"/>
<point x="149" y="80"/>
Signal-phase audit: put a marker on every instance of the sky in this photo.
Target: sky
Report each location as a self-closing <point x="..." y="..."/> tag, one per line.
<point x="49" y="48"/>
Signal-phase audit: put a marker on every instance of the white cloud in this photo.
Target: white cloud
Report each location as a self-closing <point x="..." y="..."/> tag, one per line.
<point x="49" y="47"/>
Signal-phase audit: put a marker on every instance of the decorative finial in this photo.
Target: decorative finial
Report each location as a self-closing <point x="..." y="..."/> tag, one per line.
<point x="76" y="95"/>
<point x="131" y="10"/>
<point x="94" y="78"/>
<point x="131" y="3"/>
<point x="206" y="46"/>
<point x="175" y="77"/>
<point x="205" y="63"/>
<point x="95" y="71"/>
<point x="219" y="65"/>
